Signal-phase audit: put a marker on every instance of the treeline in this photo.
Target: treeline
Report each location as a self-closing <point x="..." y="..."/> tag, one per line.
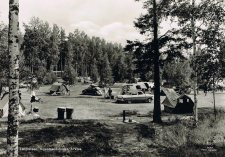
<point x="44" y="49"/>
<point x="196" y="45"/>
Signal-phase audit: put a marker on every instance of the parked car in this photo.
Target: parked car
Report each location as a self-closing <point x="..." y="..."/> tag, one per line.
<point x="88" y="81"/>
<point x="127" y="88"/>
<point x="24" y="84"/>
<point x="92" y="90"/>
<point x="135" y="96"/>
<point x="79" y="79"/>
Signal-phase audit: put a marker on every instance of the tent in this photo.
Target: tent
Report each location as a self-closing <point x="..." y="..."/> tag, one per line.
<point x="175" y="103"/>
<point x="58" y="88"/>
<point x="4" y="107"/>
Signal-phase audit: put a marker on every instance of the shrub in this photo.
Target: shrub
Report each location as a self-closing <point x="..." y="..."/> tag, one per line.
<point x="183" y="140"/>
<point x="50" y="78"/>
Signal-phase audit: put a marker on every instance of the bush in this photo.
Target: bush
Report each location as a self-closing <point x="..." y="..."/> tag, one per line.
<point x="180" y="139"/>
<point x="50" y="78"/>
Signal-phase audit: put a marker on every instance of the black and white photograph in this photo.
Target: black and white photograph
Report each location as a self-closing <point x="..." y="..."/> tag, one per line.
<point x="112" y="78"/>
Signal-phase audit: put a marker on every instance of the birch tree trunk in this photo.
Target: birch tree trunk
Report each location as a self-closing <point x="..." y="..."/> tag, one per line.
<point x="13" y="50"/>
<point x="195" y="71"/>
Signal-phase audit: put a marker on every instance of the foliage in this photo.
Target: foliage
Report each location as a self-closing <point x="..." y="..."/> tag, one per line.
<point x="49" y="49"/>
<point x="148" y="54"/>
<point x="50" y="77"/>
<point x="130" y="67"/>
<point x="41" y="75"/>
<point x="207" y="28"/>
<point x="106" y="71"/>
<point x="69" y="74"/>
<point x="120" y="69"/>
<point x="178" y="73"/>
<point x="170" y="44"/>
<point x="35" y="47"/>
<point x="3" y="53"/>
<point x="53" y="58"/>
<point x="94" y="71"/>
<point x="184" y="140"/>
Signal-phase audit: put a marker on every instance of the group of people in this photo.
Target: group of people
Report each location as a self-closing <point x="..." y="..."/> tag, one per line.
<point x="107" y="92"/>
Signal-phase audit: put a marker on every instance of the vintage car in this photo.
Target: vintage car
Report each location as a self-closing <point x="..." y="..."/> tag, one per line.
<point x="24" y="84"/>
<point x="136" y="96"/>
<point x="92" y="90"/>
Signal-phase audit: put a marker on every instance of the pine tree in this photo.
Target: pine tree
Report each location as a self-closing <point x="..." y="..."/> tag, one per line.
<point x="149" y="23"/>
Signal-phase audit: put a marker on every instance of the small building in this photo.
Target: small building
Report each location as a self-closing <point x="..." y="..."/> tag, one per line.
<point x="175" y="103"/>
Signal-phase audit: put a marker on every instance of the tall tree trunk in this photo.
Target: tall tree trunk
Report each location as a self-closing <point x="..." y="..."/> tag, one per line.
<point x="214" y="98"/>
<point x="61" y="63"/>
<point x="13" y="50"/>
<point x="195" y="71"/>
<point x="157" y="103"/>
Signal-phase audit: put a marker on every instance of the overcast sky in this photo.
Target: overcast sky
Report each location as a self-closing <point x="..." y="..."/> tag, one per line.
<point x="108" y="19"/>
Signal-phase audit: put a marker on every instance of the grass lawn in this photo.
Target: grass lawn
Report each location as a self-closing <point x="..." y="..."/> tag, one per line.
<point x="95" y="107"/>
<point x="97" y="129"/>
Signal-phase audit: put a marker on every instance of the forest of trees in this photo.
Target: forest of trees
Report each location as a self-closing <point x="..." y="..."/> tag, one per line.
<point x="45" y="48"/>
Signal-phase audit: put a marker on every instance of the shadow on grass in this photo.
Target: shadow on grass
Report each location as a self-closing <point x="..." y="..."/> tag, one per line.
<point x="87" y="139"/>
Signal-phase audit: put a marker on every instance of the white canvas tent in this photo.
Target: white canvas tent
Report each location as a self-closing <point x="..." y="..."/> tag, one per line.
<point x="58" y="88"/>
<point x="4" y="107"/>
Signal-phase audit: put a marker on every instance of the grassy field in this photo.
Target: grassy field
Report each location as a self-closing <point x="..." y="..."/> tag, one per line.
<point x="85" y="106"/>
<point x="95" y="107"/>
<point x="97" y="129"/>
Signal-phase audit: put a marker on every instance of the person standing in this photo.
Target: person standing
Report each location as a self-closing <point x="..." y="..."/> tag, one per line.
<point x="110" y="93"/>
<point x="205" y="89"/>
<point x="32" y="100"/>
<point x="33" y="96"/>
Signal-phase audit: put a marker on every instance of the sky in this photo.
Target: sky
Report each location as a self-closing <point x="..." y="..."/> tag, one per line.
<point x="108" y="19"/>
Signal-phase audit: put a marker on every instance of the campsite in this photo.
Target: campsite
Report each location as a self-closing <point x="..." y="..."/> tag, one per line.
<point x="95" y="107"/>
<point x="98" y="123"/>
<point x="112" y="78"/>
